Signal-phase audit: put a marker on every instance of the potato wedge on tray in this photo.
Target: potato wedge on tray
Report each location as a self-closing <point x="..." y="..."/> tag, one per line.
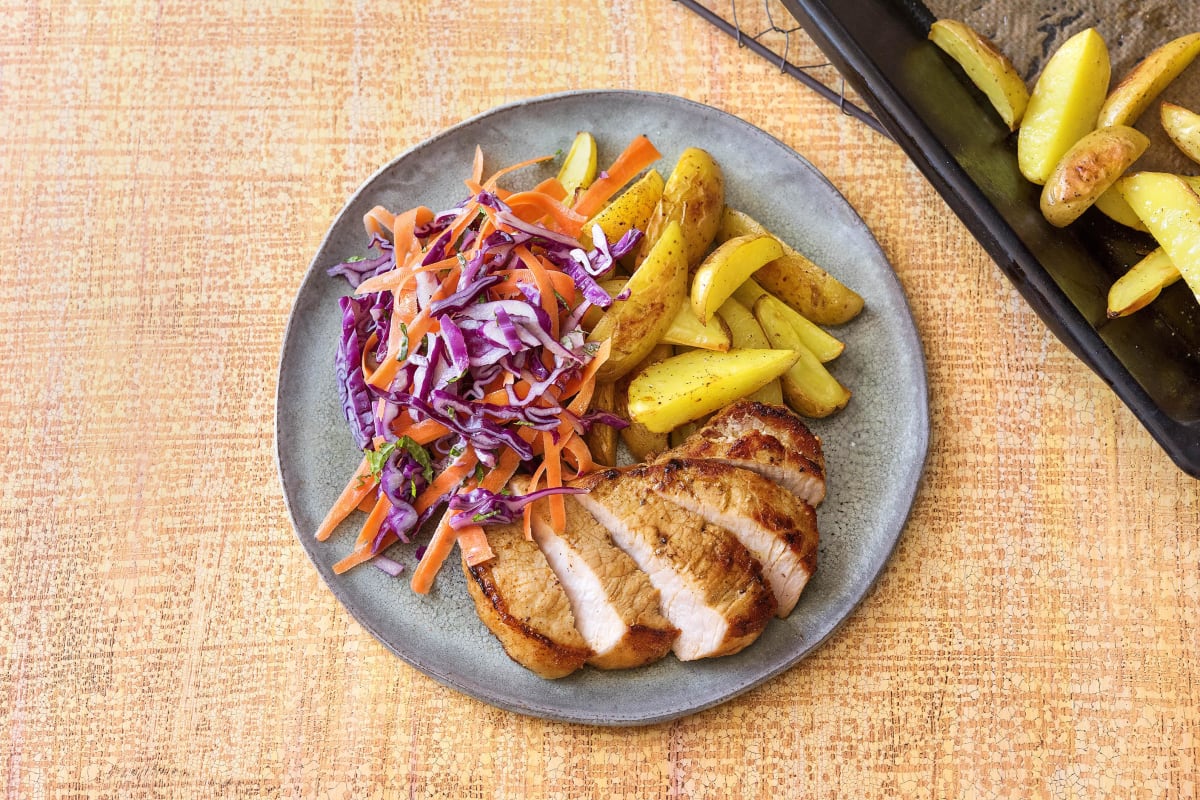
<point x="631" y="210"/>
<point x="1087" y="170"/>
<point x="1138" y="287"/>
<point x="988" y="68"/>
<point x="1064" y="104"/>
<point x="688" y="331"/>
<point x="727" y="268"/>
<point x="1137" y="90"/>
<point x="1170" y="208"/>
<point x="1183" y="126"/>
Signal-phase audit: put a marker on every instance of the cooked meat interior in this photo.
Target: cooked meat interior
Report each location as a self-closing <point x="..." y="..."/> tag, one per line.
<point x="615" y="606"/>
<point x="712" y="588"/>
<point x="767" y="439"/>
<point x="778" y="529"/>
<point x="518" y="597"/>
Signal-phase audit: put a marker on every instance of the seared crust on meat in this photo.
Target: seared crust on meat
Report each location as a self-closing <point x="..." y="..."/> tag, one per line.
<point x="616" y="607"/>
<point x="521" y="602"/>
<point x="767" y="439"/>
<point x="712" y="588"/>
<point x="778" y="529"/>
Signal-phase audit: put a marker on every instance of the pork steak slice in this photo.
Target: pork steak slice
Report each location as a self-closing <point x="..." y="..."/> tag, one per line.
<point x="712" y="588"/>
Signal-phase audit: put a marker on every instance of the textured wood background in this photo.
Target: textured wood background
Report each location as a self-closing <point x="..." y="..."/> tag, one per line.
<point x="166" y="171"/>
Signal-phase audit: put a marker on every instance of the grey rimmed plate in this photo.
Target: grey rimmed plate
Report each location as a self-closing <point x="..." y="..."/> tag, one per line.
<point x="875" y="448"/>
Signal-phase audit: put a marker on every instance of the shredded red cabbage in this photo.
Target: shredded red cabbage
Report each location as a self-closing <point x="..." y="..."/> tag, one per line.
<point x="481" y="507"/>
<point x="475" y="340"/>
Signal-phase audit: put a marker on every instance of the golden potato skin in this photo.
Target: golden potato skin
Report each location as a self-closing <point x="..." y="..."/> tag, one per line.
<point x="632" y="209"/>
<point x="657" y="290"/>
<point x="641" y="441"/>
<point x="1064" y="105"/>
<point x="602" y="439"/>
<point x="1087" y="170"/>
<point x="694" y="196"/>
<point x="1137" y="90"/>
<point x="987" y="67"/>
<point x="795" y="279"/>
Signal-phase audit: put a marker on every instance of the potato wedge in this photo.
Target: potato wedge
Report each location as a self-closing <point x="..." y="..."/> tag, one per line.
<point x="988" y="68"/>
<point x="632" y="209"/>
<point x="1183" y="126"/>
<point x="1171" y="210"/>
<point x="825" y="347"/>
<point x="685" y="387"/>
<point x="1112" y="205"/>
<point x="689" y="331"/>
<point x="641" y="441"/>
<point x="727" y="268"/>
<point x="602" y="439"/>
<point x="614" y="286"/>
<point x="1137" y="90"/>
<point x="746" y="333"/>
<point x="794" y="279"/>
<point x="1087" y="170"/>
<point x="694" y="196"/>
<point x="579" y="167"/>
<point x="807" y="386"/>
<point x="1138" y="287"/>
<point x="656" y="292"/>
<point x="1064" y="104"/>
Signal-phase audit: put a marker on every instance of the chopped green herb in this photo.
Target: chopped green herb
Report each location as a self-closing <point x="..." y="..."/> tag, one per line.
<point x="484" y="517"/>
<point x="420" y="455"/>
<point x="355" y="259"/>
<point x="377" y="458"/>
<point x="403" y="354"/>
<point x="479" y="472"/>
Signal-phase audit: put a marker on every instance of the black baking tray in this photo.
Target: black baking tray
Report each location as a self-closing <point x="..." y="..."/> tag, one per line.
<point x="1150" y="359"/>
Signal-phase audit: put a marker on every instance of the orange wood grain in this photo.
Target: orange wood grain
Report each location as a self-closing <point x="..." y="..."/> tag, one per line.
<point x="166" y="171"/>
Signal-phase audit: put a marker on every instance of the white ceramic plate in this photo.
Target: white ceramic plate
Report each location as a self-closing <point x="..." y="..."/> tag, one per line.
<point x="875" y="448"/>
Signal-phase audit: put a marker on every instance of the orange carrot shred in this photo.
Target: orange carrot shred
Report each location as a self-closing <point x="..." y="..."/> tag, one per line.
<point x="545" y="288"/>
<point x="440" y="545"/>
<point x="640" y="154"/>
<point x="477" y="165"/>
<point x="360" y="485"/>
<point x="362" y="547"/>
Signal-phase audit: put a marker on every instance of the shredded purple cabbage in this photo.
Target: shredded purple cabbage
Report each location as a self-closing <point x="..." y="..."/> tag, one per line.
<point x="481" y="507"/>
<point x="476" y="341"/>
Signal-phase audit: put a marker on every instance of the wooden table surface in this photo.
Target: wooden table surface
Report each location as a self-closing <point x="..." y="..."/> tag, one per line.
<point x="167" y="171"/>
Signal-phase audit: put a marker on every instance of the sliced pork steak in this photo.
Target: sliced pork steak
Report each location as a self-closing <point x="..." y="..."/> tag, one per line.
<point x="767" y="439"/>
<point x="712" y="588"/>
<point x="616" y="607"/>
<point x="519" y="599"/>
<point x="778" y="529"/>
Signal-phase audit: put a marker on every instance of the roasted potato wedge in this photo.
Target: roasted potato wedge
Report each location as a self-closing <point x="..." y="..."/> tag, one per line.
<point x="579" y="167"/>
<point x="641" y="441"/>
<point x="1170" y="208"/>
<point x="632" y="209"/>
<point x="602" y="439"/>
<point x="822" y="345"/>
<point x="691" y="332"/>
<point x="1183" y="126"/>
<point x="685" y="387"/>
<point x="794" y="279"/>
<point x="986" y="66"/>
<point x="1113" y="206"/>
<point x="1138" y="287"/>
<point x="1137" y="90"/>
<point x="656" y="292"/>
<point x="1087" y="170"/>
<point x="807" y="386"/>
<point x="1064" y="104"/>
<point x="694" y="196"/>
<point x="746" y="333"/>
<point x="727" y="268"/>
